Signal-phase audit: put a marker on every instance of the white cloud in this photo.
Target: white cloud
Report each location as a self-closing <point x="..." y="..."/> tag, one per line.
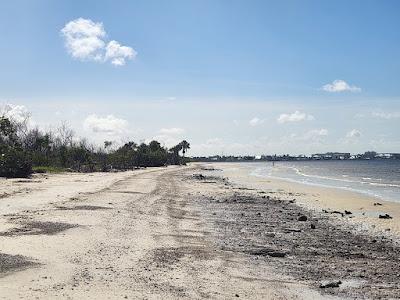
<point x="172" y="131"/>
<point x="353" y="134"/>
<point x="118" y="54"/>
<point x="255" y="122"/>
<point x="340" y="86"/>
<point x="352" y="137"/>
<point x="386" y="115"/>
<point x="109" y="124"/>
<point x="294" y="117"/>
<point x="86" y="40"/>
<point x="17" y="113"/>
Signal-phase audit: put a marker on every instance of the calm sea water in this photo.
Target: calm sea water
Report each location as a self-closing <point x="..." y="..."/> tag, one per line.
<point x="378" y="178"/>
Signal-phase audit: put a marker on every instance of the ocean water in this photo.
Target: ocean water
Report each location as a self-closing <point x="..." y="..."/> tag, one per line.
<point x="377" y="178"/>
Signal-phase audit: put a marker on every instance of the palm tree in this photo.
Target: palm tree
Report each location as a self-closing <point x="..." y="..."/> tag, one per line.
<point x="185" y="146"/>
<point x="175" y="153"/>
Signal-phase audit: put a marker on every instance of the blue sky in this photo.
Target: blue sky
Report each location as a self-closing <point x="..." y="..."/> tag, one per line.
<point x="241" y="77"/>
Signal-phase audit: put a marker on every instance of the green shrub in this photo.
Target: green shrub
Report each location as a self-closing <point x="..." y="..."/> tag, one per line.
<point x="50" y="169"/>
<point x="14" y="163"/>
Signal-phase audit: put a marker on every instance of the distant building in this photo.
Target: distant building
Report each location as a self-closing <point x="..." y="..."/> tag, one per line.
<point x="387" y="155"/>
<point x="369" y="155"/>
<point x="341" y="156"/>
<point x="331" y="155"/>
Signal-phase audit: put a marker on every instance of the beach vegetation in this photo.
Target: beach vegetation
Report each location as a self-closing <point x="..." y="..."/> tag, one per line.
<point x="14" y="159"/>
<point x="25" y="150"/>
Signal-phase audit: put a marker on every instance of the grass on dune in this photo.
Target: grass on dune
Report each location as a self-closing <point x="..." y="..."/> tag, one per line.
<point x="46" y="169"/>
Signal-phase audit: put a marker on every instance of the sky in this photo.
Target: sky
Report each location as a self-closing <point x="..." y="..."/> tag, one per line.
<point x="231" y="77"/>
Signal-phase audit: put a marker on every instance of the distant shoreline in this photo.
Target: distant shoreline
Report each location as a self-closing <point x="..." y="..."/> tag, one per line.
<point x="329" y="156"/>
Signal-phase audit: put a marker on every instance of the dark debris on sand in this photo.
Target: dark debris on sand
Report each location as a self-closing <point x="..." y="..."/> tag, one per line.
<point x="37" y="228"/>
<point x="208" y="178"/>
<point x="10" y="263"/>
<point x="83" y="207"/>
<point x="307" y="245"/>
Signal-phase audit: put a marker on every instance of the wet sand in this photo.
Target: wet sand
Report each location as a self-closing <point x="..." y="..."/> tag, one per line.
<point x="364" y="210"/>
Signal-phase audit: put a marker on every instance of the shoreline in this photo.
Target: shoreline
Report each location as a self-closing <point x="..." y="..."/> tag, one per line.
<point x="321" y="185"/>
<point x="313" y="248"/>
<point x="171" y="232"/>
<point x="363" y="211"/>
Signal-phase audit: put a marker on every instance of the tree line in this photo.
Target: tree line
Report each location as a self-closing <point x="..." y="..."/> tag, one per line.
<point x="24" y="150"/>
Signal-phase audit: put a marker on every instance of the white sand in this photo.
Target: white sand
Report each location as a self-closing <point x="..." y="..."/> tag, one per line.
<point x="149" y="244"/>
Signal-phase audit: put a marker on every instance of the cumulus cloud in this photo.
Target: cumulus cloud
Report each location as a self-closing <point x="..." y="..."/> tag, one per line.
<point x="340" y="86"/>
<point x="172" y="131"/>
<point x="17" y="113"/>
<point x="294" y="117"/>
<point x="86" y="40"/>
<point x="109" y="125"/>
<point x="353" y="134"/>
<point x="118" y="54"/>
<point x="255" y="122"/>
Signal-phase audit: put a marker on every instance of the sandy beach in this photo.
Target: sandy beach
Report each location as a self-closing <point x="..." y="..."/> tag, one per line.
<point x="365" y="210"/>
<point x="184" y="232"/>
<point x="200" y="150"/>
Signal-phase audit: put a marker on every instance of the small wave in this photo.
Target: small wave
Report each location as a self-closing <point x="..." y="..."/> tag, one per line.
<point x="323" y="177"/>
<point x="369" y="186"/>
<point x="298" y="171"/>
<point x="384" y="184"/>
<point x="261" y="172"/>
<point x="347" y="188"/>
